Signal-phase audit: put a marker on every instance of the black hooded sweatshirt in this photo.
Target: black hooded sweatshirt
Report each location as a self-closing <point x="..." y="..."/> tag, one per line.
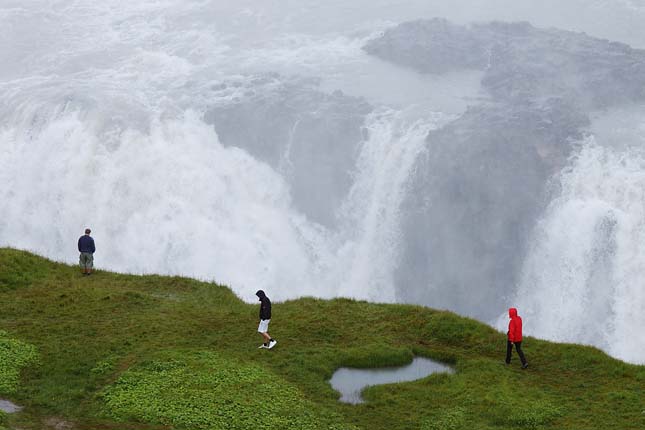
<point x="265" y="305"/>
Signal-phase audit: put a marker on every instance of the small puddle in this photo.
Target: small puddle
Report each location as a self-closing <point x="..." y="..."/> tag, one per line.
<point x="8" y="407"/>
<point x="350" y="382"/>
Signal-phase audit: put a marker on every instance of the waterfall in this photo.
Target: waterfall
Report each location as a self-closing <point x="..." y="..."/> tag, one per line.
<point x="583" y="278"/>
<point x="170" y="200"/>
<point x="371" y="214"/>
<point x="166" y="197"/>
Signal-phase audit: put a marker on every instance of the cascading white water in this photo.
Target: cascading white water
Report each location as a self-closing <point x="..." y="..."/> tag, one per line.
<point x="170" y="200"/>
<point x="583" y="279"/>
<point x="173" y="200"/>
<point x="370" y="216"/>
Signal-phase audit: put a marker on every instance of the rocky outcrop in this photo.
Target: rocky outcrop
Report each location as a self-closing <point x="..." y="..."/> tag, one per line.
<point x="519" y="60"/>
<point x="431" y="46"/>
<point x="311" y="137"/>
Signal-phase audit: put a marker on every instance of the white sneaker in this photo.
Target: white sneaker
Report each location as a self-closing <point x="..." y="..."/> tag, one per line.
<point x="263" y="346"/>
<point x="272" y="343"/>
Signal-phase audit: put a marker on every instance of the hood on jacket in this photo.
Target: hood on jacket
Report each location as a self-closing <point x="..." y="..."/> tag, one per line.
<point x="512" y="312"/>
<point x="260" y="294"/>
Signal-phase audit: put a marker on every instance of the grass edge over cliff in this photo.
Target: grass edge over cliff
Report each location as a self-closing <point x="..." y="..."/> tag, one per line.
<point x="90" y="331"/>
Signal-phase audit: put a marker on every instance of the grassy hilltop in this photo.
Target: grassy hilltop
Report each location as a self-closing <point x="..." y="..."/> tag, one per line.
<point x="150" y="352"/>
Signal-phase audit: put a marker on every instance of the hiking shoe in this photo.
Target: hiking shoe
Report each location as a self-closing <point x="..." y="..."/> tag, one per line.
<point x="272" y="343"/>
<point x="263" y="346"/>
<point x="525" y="365"/>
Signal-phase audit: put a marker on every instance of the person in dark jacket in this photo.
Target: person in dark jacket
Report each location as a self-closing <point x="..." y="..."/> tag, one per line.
<point x="515" y="337"/>
<point x="86" y="248"/>
<point x="265" y="318"/>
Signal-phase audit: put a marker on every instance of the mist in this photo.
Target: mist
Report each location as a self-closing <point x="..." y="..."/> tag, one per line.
<point x="467" y="155"/>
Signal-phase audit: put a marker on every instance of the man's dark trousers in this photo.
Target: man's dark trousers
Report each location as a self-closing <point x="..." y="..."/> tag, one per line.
<point x="509" y="349"/>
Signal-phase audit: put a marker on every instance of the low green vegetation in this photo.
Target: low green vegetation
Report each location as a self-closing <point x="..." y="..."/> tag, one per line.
<point x="204" y="390"/>
<point x="451" y="419"/>
<point x="3" y="418"/>
<point x="14" y="355"/>
<point x="115" y="351"/>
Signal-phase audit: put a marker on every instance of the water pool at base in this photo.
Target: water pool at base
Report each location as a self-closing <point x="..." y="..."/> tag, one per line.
<point x="8" y="407"/>
<point x="351" y="382"/>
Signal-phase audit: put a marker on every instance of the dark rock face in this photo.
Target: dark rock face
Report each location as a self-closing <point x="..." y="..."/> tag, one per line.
<point x="309" y="136"/>
<point x="477" y="192"/>
<point x="520" y="61"/>
<point x="473" y="200"/>
<point x="596" y="72"/>
<point x="431" y="46"/>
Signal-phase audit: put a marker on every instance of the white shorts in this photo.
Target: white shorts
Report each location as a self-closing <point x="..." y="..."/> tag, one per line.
<point x="264" y="326"/>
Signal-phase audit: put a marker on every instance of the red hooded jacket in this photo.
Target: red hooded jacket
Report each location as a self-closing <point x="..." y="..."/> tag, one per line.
<point x="514" y="326"/>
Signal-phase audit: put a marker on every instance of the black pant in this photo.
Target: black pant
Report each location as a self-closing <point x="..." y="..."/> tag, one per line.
<point x="509" y="349"/>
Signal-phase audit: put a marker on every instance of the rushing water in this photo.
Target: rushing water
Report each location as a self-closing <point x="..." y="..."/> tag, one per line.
<point x="351" y="382"/>
<point x="104" y="122"/>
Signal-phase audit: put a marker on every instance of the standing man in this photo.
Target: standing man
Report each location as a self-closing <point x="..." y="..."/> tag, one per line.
<point x="515" y="337"/>
<point x="86" y="248"/>
<point x="265" y="318"/>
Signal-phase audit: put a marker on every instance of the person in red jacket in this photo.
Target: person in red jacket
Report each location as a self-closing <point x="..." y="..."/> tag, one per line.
<point x="515" y="337"/>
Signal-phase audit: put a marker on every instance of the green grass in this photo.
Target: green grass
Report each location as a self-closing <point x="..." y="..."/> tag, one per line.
<point x="117" y="351"/>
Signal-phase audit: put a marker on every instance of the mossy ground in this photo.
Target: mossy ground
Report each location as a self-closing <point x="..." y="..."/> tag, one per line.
<point x="149" y="352"/>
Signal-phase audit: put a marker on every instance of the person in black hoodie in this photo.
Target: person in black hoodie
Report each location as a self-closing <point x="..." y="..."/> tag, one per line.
<point x="265" y="318"/>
